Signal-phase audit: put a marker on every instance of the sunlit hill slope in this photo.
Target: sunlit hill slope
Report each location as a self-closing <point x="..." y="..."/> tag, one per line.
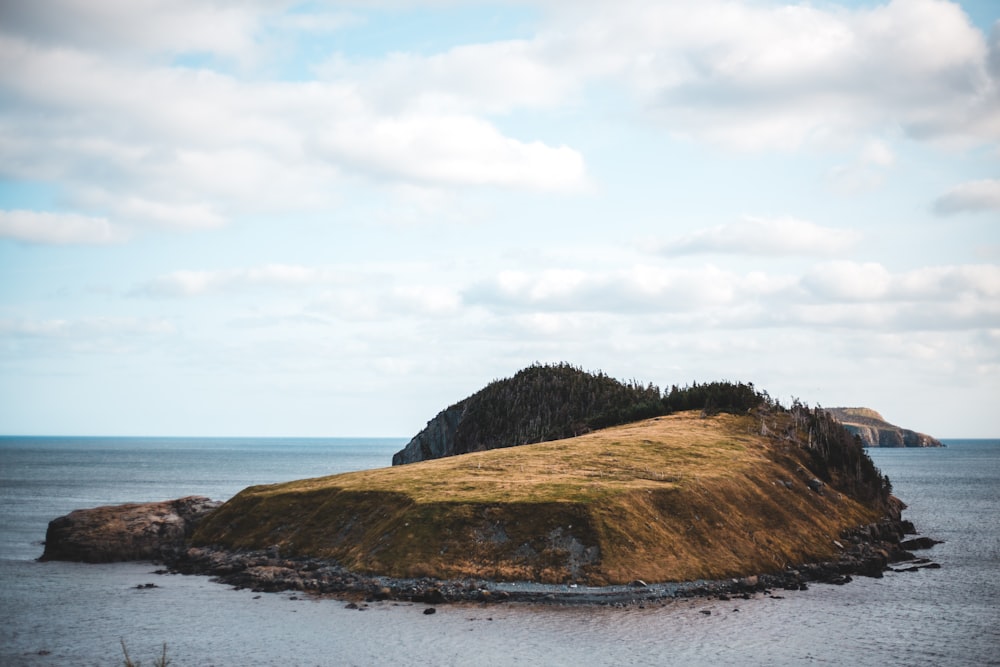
<point x="678" y="497"/>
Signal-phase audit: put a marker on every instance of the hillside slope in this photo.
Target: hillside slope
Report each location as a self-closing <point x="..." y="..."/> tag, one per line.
<point x="875" y="431"/>
<point x="548" y="402"/>
<point x="539" y="403"/>
<point x="673" y="498"/>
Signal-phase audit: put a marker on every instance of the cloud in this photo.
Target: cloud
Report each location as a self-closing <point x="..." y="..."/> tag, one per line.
<point x="764" y="237"/>
<point x="748" y="76"/>
<point x="852" y="295"/>
<point x="142" y="26"/>
<point x="764" y="76"/>
<point x="196" y="283"/>
<point x="848" y="281"/>
<point x="493" y="77"/>
<point x="868" y="170"/>
<point x="64" y="328"/>
<point x="193" y="147"/>
<point x="57" y="228"/>
<point x="867" y="295"/>
<point x="65" y="338"/>
<point x="380" y="300"/>
<point x="972" y="197"/>
<point x="91" y="100"/>
<point x="640" y="289"/>
<point x="356" y="293"/>
<point x="451" y="150"/>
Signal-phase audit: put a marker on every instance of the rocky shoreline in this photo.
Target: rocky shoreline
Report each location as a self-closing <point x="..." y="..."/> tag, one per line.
<point x="160" y="531"/>
<point x="867" y="551"/>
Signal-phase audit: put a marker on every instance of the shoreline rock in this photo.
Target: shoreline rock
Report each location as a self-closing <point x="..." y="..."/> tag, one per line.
<point x="866" y="551"/>
<point x="134" y="531"/>
<point x="160" y="532"/>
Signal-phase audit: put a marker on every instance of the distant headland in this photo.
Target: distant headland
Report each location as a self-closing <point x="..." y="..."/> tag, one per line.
<point x="551" y="483"/>
<point x="875" y="431"/>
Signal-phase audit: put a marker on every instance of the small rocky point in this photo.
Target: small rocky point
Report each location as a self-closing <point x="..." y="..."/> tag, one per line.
<point x="135" y="531"/>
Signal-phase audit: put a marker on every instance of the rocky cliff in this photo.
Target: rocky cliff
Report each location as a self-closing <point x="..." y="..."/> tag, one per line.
<point x="136" y="531"/>
<point x="436" y="440"/>
<point x="875" y="431"/>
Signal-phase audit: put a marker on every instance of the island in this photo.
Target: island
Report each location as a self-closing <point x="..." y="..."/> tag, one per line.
<point x="585" y="489"/>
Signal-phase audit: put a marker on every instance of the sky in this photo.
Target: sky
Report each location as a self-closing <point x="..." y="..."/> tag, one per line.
<point x="276" y="218"/>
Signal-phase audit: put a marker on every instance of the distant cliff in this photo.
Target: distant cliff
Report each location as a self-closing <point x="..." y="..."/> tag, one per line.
<point x="875" y="431"/>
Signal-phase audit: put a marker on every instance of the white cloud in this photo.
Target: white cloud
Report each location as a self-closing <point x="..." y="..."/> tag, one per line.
<point x="848" y="281"/>
<point x="355" y="293"/>
<point x="92" y="103"/>
<point x="839" y="293"/>
<point x="114" y="334"/>
<point x="494" y="77"/>
<point x="455" y="150"/>
<point x="639" y="289"/>
<point x="765" y="237"/>
<point x="58" y="228"/>
<point x="867" y="172"/>
<point x="144" y="26"/>
<point x="193" y="148"/>
<point x="971" y="197"/>
<point x="196" y="283"/>
<point x="870" y="281"/>
<point x="761" y="76"/>
<point x="317" y="22"/>
<point x="877" y="153"/>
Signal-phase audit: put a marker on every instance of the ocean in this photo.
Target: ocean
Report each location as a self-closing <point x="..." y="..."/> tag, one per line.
<point x="78" y="614"/>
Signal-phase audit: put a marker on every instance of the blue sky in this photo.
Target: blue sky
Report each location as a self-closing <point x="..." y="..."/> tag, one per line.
<point x="334" y="218"/>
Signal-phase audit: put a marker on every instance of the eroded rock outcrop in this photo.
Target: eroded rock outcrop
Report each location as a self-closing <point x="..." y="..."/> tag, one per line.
<point x="135" y="531"/>
<point x="875" y="431"/>
<point x="436" y="441"/>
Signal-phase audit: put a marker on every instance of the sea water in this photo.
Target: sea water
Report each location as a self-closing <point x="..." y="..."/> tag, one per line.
<point x="78" y="614"/>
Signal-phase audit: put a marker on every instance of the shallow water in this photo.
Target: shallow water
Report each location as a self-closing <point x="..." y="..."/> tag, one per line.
<point x="77" y="613"/>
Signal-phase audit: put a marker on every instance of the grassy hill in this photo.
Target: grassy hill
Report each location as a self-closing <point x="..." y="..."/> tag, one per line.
<point x="674" y="498"/>
<point x="554" y="401"/>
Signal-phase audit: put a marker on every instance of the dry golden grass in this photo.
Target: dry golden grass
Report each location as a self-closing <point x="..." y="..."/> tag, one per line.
<point x="673" y="498"/>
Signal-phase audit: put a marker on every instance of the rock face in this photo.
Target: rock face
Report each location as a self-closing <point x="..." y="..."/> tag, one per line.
<point x="875" y="431"/>
<point x="436" y="441"/>
<point x="139" y="531"/>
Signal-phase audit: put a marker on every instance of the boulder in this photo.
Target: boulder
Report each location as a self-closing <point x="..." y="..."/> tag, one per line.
<point x="135" y="531"/>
